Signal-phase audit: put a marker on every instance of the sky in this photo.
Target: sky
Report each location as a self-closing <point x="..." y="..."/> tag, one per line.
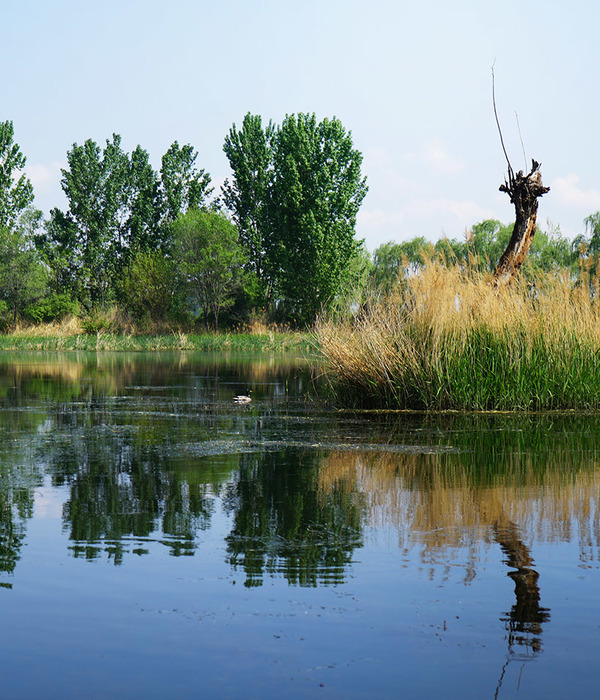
<point x="411" y="80"/>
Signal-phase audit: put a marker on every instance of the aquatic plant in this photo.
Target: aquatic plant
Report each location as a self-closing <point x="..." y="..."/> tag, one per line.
<point x="447" y="339"/>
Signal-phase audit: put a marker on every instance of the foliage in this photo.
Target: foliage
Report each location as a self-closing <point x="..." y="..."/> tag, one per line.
<point x="250" y="156"/>
<point x="183" y="186"/>
<point x="391" y="261"/>
<point x="89" y="239"/>
<point x="295" y="194"/>
<point x="16" y="191"/>
<point x="23" y="277"/>
<point x="149" y="285"/>
<point x="117" y="205"/>
<point x="481" y="249"/>
<point x="316" y="191"/>
<point x="53" y="306"/>
<point x="209" y="258"/>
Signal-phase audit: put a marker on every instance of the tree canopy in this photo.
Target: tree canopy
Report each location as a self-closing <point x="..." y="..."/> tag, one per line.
<point x="117" y="204"/>
<point x="155" y="243"/>
<point x="482" y="246"/>
<point x="209" y="259"/>
<point x="250" y="156"/>
<point x="16" y="190"/>
<point x="295" y="192"/>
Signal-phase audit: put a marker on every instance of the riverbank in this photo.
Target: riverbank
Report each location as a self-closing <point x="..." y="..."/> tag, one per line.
<point x="38" y="339"/>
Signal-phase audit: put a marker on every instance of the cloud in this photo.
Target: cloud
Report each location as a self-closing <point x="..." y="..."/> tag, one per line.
<point x="465" y="211"/>
<point x="567" y="191"/>
<point x="441" y="160"/>
<point x="437" y="158"/>
<point x="420" y="217"/>
<point x="377" y="218"/>
<point x="44" y="177"/>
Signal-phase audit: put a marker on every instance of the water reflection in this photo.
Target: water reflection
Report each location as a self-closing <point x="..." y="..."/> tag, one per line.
<point x="537" y="481"/>
<point x="282" y="526"/>
<point x="149" y="447"/>
<point x="524" y="621"/>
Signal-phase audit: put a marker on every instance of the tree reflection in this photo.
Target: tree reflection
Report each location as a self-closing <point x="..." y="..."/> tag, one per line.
<point x="282" y="525"/>
<point x="12" y="534"/>
<point x="19" y="477"/>
<point x="121" y="496"/>
<point x="524" y="621"/>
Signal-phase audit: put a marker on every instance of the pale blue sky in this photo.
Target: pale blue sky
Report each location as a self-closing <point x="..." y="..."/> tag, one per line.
<point x="411" y="80"/>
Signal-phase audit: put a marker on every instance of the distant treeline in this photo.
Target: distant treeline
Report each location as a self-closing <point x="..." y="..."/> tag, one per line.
<point x="162" y="248"/>
<point x="481" y="248"/>
<point x="278" y="241"/>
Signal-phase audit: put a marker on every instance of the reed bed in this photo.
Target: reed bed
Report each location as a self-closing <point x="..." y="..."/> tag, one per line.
<point x="446" y="339"/>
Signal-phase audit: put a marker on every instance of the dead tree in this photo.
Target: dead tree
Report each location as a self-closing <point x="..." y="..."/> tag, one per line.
<point x="524" y="191"/>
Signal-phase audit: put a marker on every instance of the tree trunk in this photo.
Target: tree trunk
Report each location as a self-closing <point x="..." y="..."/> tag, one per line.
<point x="524" y="621"/>
<point x="523" y="191"/>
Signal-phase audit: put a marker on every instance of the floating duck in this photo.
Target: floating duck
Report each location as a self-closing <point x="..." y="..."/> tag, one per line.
<point x="243" y="398"/>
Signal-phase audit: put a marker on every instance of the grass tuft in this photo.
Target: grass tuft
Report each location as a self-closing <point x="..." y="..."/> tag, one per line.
<point x="446" y="339"/>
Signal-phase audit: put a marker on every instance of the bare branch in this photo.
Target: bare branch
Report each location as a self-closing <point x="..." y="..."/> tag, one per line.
<point x="510" y="170"/>
<point x="521" y="138"/>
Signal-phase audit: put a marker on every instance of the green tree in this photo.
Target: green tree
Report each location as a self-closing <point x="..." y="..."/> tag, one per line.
<point x="117" y="205"/>
<point x="588" y="244"/>
<point x="550" y="250"/>
<point x="149" y="285"/>
<point x="183" y="186"/>
<point x="295" y="193"/>
<point x="208" y="255"/>
<point x="143" y="207"/>
<point x="315" y="194"/>
<point x="90" y="236"/>
<point x="250" y="156"/>
<point x="388" y="265"/>
<point x="486" y="241"/>
<point x="393" y="261"/>
<point x="16" y="191"/>
<point x="23" y="277"/>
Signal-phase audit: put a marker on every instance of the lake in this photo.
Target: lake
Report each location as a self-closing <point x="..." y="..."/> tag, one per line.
<point x="158" y="540"/>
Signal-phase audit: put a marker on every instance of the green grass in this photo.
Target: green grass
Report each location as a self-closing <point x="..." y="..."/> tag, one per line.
<point x="235" y="342"/>
<point x="448" y="340"/>
<point x="489" y="371"/>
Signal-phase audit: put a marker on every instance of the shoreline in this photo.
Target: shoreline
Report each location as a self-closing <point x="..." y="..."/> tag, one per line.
<point x="115" y="342"/>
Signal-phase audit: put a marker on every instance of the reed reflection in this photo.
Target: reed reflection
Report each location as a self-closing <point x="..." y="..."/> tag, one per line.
<point x="448" y="505"/>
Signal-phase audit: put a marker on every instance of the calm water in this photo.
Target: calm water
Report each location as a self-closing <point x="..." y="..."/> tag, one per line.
<point x="157" y="541"/>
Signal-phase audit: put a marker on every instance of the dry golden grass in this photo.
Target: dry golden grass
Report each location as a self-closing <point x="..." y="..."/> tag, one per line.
<point x="446" y="338"/>
<point x="69" y="326"/>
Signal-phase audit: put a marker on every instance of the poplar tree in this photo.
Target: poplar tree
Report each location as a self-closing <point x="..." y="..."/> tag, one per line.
<point x="295" y="193"/>
<point x="16" y="190"/>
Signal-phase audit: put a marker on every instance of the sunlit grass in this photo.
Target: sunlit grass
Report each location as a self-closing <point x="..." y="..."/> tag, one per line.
<point x="446" y="339"/>
<point x="71" y="335"/>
